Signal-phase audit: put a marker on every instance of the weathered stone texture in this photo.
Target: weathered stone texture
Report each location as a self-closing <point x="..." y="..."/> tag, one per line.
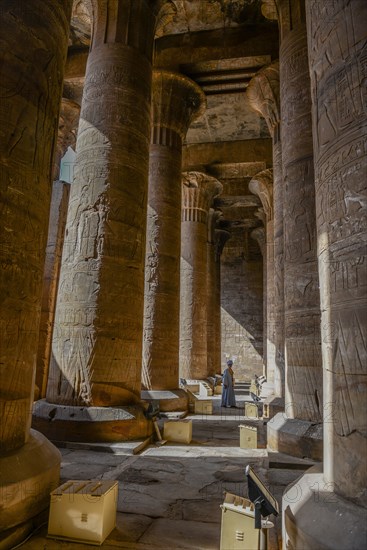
<point x="97" y="341"/>
<point x="28" y="114"/>
<point x="66" y="136"/>
<point x="303" y="385"/>
<point x="242" y="305"/>
<point x="263" y="93"/>
<point x="176" y="102"/>
<point x="262" y="185"/>
<point x="337" y="52"/>
<point x="31" y="70"/>
<point x="55" y="242"/>
<point x="213" y="295"/>
<point x="198" y="192"/>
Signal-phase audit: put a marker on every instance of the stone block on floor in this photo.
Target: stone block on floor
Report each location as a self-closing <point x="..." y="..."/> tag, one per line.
<point x="179" y="431"/>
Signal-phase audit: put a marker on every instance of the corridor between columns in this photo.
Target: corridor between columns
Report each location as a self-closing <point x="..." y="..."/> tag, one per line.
<point x="216" y="211"/>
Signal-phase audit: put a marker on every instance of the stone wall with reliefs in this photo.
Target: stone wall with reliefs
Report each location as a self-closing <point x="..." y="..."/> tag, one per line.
<point x="338" y="66"/>
<point x="242" y="304"/>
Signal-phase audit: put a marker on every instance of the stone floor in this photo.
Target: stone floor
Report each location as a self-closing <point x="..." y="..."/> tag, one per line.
<point x="170" y="495"/>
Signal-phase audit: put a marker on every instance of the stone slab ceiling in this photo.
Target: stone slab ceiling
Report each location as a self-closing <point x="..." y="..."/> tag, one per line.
<point x="221" y="45"/>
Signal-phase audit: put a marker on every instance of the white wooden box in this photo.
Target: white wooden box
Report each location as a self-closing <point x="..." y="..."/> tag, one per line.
<point x="83" y="511"/>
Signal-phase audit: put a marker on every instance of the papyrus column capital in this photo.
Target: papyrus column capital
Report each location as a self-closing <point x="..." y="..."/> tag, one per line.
<point x="198" y="191"/>
<point x="176" y="102"/>
<point x="130" y="23"/>
<point x="263" y="94"/>
<point x="262" y="186"/>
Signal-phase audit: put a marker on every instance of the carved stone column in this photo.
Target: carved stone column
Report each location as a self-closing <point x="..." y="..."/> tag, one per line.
<point x="300" y="430"/>
<point x="213" y="294"/>
<point x="337" y="52"/>
<point x="66" y="137"/>
<point x="198" y="192"/>
<point x="177" y="101"/>
<point x="262" y="186"/>
<point x="221" y="236"/>
<point x="97" y="338"/>
<point x="31" y="73"/>
<point x="263" y="95"/>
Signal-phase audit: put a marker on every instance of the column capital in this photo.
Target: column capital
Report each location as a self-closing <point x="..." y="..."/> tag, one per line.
<point x="127" y="22"/>
<point x="262" y="186"/>
<point x="263" y="94"/>
<point x="258" y="235"/>
<point x="198" y="191"/>
<point x="176" y="102"/>
<point x="269" y="9"/>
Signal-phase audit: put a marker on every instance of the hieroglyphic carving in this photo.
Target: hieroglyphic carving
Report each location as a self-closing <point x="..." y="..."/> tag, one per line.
<point x="29" y="105"/>
<point x="176" y="101"/>
<point x="338" y="54"/>
<point x="303" y="390"/>
<point x="102" y="277"/>
<point x="199" y="189"/>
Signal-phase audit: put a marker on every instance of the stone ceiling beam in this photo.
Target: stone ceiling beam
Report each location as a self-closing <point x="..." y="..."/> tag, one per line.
<point x="248" y="40"/>
<point x="249" y="150"/>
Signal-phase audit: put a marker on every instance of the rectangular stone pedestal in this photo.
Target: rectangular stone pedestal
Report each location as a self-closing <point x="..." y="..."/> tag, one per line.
<point x="178" y="430"/>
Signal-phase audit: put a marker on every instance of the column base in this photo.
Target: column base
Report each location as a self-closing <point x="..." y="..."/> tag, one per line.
<point x="85" y="424"/>
<point x="314" y="517"/>
<point x="295" y="437"/>
<point x="169" y="400"/>
<point x="27" y="476"/>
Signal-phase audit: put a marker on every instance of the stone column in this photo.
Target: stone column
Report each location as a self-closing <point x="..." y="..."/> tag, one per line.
<point x="198" y="192"/>
<point x="337" y="53"/>
<point x="66" y="137"/>
<point x="97" y="339"/>
<point x="32" y="63"/>
<point x="299" y="431"/>
<point x="262" y="186"/>
<point x="177" y="101"/>
<point x="221" y="236"/>
<point x="212" y="294"/>
<point x="263" y="95"/>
